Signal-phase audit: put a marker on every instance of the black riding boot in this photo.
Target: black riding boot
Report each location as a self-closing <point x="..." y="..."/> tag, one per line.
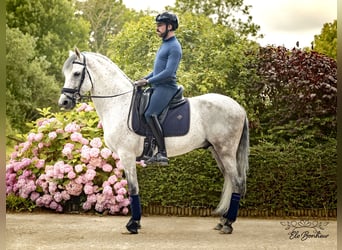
<point x="160" y="158"/>
<point x="149" y="147"/>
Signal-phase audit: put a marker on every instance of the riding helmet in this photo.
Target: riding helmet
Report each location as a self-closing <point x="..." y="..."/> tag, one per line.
<point x="168" y="18"/>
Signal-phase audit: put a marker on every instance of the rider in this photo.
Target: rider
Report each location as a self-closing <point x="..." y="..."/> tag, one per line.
<point x="162" y="80"/>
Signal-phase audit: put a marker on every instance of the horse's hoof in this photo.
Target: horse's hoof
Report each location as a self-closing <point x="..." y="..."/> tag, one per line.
<point x="218" y="226"/>
<point x="226" y="229"/>
<point x="133" y="226"/>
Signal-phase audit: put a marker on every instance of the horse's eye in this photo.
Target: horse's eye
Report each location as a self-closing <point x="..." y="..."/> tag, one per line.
<point x="77" y="73"/>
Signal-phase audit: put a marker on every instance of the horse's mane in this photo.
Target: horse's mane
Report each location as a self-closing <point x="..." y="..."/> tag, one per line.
<point x="68" y="63"/>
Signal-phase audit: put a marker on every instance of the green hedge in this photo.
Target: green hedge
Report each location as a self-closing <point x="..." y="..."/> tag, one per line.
<point x="281" y="177"/>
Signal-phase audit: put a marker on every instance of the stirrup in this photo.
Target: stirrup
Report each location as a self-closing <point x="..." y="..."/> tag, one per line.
<point x="158" y="159"/>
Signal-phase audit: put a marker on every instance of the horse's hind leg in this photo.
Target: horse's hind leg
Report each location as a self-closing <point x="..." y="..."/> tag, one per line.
<point x="231" y="192"/>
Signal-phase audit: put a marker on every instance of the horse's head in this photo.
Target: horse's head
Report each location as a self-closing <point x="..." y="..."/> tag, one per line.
<point x="77" y="80"/>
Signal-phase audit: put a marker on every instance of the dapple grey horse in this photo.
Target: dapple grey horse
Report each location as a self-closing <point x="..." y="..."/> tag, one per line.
<point x="217" y="122"/>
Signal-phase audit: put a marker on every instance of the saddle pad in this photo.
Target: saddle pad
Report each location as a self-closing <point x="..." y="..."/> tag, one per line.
<point x="176" y="123"/>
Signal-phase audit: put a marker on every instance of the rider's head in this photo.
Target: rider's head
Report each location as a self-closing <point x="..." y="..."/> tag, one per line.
<point x="168" y="21"/>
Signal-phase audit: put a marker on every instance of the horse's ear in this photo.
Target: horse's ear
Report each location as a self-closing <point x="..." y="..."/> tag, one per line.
<point x="71" y="53"/>
<point x="77" y="52"/>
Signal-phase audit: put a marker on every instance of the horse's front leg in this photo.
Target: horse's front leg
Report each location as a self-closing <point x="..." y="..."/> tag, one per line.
<point x="133" y="188"/>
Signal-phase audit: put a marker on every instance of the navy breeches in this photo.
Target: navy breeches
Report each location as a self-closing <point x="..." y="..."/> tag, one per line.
<point x="160" y="98"/>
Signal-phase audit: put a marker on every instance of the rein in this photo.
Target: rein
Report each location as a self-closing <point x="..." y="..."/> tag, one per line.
<point x="76" y="93"/>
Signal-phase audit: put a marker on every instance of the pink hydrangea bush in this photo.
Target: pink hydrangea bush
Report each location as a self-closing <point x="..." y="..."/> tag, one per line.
<point x="64" y="157"/>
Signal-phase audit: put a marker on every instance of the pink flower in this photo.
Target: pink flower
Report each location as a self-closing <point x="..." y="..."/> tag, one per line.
<point x="122" y="191"/>
<point x="94" y="152"/>
<point x="72" y="127"/>
<point x="85" y="152"/>
<point x="91" y="198"/>
<point x="78" y="168"/>
<point x="87" y="205"/>
<point x="99" y="125"/>
<point x="105" y="153"/>
<point x="14" y="155"/>
<point x="96" y="162"/>
<point x="99" y="207"/>
<point x="31" y="137"/>
<point x="107" y="190"/>
<point x="65" y="195"/>
<point x="59" y="131"/>
<point x="84" y="141"/>
<point x="52" y="188"/>
<point x="52" y="135"/>
<point x="114" y="209"/>
<point x="90" y="174"/>
<point x="107" y="167"/>
<point x="117" y="185"/>
<point x="77" y="137"/>
<point x="120" y="198"/>
<point x="118" y="172"/>
<point x="58" y="197"/>
<point x="38" y="137"/>
<point x="53" y="205"/>
<point x="34" y="196"/>
<point x="125" y="202"/>
<point x="67" y="150"/>
<point x="74" y="188"/>
<point x="88" y="189"/>
<point x="141" y="163"/>
<point x="112" y="179"/>
<point x="119" y="165"/>
<point x="71" y="175"/>
<point x="105" y="183"/>
<point x="40" y="163"/>
<point x="125" y="211"/>
<point x="89" y="108"/>
<point x="82" y="107"/>
<point x="96" y="142"/>
<point x="68" y="168"/>
<point x="26" y="162"/>
<point x="81" y="179"/>
<point x="59" y="208"/>
<point x="25" y="146"/>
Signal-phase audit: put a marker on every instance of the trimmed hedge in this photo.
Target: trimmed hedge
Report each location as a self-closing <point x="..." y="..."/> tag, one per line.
<point x="281" y="177"/>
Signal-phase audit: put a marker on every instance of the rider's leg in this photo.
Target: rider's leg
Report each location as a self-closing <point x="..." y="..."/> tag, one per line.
<point x="159" y="100"/>
<point x="157" y="131"/>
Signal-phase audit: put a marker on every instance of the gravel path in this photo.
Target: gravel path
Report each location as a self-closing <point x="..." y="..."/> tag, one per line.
<point x="26" y="231"/>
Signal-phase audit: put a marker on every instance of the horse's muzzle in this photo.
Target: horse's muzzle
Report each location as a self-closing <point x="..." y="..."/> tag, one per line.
<point x="65" y="102"/>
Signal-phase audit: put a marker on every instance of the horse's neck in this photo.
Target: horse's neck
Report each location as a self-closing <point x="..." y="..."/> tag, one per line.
<point x="109" y="80"/>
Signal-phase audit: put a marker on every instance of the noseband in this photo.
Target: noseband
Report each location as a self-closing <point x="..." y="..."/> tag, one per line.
<point x="76" y="93"/>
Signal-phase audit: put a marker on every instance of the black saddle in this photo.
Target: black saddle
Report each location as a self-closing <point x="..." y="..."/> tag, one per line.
<point x="175" y="118"/>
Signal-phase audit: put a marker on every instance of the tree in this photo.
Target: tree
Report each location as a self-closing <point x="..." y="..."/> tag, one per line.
<point x="326" y="42"/>
<point x="106" y="18"/>
<point x="222" y="69"/>
<point x="54" y="26"/>
<point x="298" y="94"/>
<point x="222" y="12"/>
<point x="28" y="84"/>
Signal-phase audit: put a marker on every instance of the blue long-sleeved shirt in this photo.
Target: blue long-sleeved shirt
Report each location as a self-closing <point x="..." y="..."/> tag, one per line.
<point x="166" y="63"/>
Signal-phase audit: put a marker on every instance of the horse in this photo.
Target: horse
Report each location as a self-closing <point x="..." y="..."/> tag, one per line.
<point x="217" y="123"/>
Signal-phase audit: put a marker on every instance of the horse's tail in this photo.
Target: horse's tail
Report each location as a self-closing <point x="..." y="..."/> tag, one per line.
<point x="242" y="157"/>
<point x="242" y="168"/>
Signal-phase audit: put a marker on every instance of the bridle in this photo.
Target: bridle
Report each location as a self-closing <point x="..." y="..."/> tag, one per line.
<point x="76" y="92"/>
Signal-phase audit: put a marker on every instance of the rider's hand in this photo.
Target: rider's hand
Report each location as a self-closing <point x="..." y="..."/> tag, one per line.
<point x="141" y="82"/>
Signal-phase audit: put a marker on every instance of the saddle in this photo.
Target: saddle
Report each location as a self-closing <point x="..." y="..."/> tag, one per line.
<point x="177" y="100"/>
<point x="174" y="119"/>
